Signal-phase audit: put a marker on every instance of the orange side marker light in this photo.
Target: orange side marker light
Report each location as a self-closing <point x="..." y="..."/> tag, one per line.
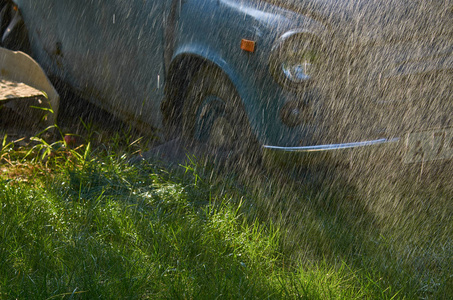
<point x="248" y="45"/>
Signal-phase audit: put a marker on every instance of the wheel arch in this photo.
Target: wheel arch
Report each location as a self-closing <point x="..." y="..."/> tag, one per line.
<point x="182" y="68"/>
<point x="14" y="34"/>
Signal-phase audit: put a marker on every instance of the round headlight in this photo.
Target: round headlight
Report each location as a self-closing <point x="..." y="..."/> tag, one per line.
<point x="294" y="60"/>
<point x="296" y="71"/>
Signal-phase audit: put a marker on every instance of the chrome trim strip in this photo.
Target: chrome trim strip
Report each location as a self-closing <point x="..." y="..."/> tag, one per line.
<point x="332" y="146"/>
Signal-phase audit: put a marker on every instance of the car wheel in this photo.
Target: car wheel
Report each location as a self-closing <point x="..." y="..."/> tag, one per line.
<point x="13" y="33"/>
<point x="214" y="117"/>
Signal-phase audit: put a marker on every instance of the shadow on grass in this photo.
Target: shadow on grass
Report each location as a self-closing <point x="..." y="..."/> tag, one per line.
<point x="382" y="219"/>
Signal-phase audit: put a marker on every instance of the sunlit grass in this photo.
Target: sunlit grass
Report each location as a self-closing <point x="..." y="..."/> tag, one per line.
<point x="83" y="223"/>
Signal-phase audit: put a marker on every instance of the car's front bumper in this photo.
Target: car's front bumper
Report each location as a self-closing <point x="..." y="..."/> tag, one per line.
<point x="325" y="153"/>
<point x="332" y="147"/>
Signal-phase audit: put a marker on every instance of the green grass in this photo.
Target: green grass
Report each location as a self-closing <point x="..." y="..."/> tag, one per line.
<point x="85" y="224"/>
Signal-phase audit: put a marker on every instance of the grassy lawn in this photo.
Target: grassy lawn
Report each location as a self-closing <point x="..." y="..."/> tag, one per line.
<point x="83" y="223"/>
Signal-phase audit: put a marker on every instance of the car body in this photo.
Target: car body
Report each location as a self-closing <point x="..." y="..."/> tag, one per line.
<point x="311" y="75"/>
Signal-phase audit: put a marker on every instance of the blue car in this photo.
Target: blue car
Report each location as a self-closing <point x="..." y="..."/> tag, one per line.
<point x="288" y="75"/>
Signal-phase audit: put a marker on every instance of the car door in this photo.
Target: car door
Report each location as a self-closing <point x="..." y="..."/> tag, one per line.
<point x="128" y="53"/>
<point x="110" y="51"/>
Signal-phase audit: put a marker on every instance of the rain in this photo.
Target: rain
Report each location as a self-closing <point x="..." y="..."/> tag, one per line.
<point x="333" y="115"/>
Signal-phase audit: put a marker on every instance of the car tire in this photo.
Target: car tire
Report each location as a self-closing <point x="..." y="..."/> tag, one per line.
<point x="13" y="32"/>
<point x="214" y="119"/>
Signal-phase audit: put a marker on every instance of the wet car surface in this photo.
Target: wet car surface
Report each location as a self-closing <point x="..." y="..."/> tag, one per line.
<point x="303" y="76"/>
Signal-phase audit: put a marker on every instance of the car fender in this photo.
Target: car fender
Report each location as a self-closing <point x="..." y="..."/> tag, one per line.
<point x="216" y="40"/>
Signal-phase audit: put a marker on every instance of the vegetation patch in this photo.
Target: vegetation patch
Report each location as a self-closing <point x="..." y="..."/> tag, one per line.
<point x="81" y="222"/>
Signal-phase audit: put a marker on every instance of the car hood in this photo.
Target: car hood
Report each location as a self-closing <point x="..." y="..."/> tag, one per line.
<point x="379" y="19"/>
